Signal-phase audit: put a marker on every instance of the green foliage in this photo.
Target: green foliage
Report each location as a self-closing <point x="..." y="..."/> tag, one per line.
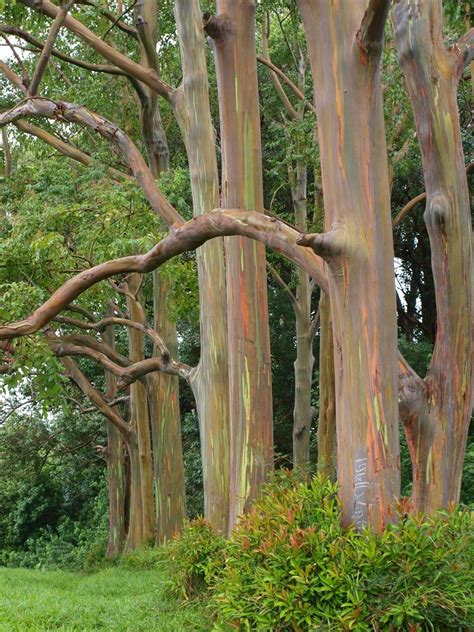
<point x="289" y="565"/>
<point x="195" y="558"/>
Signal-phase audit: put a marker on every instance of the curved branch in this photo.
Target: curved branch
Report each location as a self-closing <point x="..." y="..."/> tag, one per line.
<point x="463" y="51"/>
<point x="129" y="374"/>
<point x="48" y="47"/>
<point x="409" y="206"/>
<point x="147" y="76"/>
<point x="47" y="108"/>
<point x="96" y="398"/>
<point x="269" y="230"/>
<point x="101" y="325"/>
<point x="288" y="82"/>
<point x="62" y="147"/>
<point x="27" y="37"/>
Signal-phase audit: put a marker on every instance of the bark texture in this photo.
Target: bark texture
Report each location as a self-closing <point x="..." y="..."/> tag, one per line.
<point x="327" y="462"/>
<point x="210" y="381"/>
<point x="344" y="47"/>
<point x="115" y="468"/>
<point x="250" y="394"/>
<point x="166" y="429"/>
<point x="141" y="465"/>
<point x="437" y="419"/>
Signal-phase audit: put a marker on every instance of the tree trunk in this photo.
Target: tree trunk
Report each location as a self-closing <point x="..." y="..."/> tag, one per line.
<point x="438" y="432"/>
<point x="209" y="381"/>
<point x="115" y="469"/>
<point x="7" y="156"/>
<point x="344" y="48"/>
<point x="135" y="535"/>
<point x="166" y="428"/>
<point x="327" y="396"/>
<point x="139" y="414"/>
<point x="250" y="394"/>
<point x="304" y="363"/>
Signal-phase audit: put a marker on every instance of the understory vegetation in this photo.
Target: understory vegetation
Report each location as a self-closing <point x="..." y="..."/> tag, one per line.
<point x="289" y="565"/>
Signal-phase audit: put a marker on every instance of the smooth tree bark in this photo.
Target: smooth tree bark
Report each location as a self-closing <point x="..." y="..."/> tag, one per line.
<point x="327" y="453"/>
<point x="250" y="393"/>
<point x="306" y="324"/>
<point x="437" y="410"/>
<point x="345" y="49"/>
<point x="115" y="466"/>
<point x="168" y="464"/>
<point x="210" y="379"/>
<point x="141" y="467"/>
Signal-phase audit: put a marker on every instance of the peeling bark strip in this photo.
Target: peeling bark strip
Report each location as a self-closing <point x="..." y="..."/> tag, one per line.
<point x="437" y="420"/>
<point x="250" y="387"/>
<point x="344" y="48"/>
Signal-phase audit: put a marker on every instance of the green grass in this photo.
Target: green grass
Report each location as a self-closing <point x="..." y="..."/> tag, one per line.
<point x="111" y="599"/>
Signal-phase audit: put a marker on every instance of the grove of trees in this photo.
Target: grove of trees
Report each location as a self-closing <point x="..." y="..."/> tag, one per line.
<point x="196" y="195"/>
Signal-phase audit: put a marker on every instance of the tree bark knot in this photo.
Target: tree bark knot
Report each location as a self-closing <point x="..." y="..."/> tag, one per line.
<point x="218" y="27"/>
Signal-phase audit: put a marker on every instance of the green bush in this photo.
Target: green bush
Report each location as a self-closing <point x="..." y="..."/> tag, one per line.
<point x="290" y="566"/>
<point x="195" y="558"/>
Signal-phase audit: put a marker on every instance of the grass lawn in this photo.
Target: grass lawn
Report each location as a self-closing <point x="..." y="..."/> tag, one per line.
<point x="110" y="599"/>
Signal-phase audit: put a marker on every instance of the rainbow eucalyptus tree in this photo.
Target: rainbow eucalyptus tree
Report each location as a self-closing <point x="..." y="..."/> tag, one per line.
<point x="437" y="409"/>
<point x="352" y="260"/>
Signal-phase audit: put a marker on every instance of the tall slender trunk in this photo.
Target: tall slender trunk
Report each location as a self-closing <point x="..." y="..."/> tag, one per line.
<point x="210" y="381"/>
<point x="250" y="394"/>
<point x="437" y="432"/>
<point x="139" y="414"/>
<point x="166" y="429"/>
<point x="135" y="533"/>
<point x="344" y="47"/>
<point x="163" y="389"/>
<point x="327" y="404"/>
<point x="7" y="156"/>
<point x="305" y="331"/>
<point x="115" y="469"/>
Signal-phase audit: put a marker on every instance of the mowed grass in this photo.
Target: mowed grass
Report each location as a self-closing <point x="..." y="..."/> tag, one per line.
<point x="110" y="599"/>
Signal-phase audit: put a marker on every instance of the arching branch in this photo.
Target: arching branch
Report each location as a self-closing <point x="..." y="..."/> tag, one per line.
<point x="275" y="234"/>
<point x="147" y="76"/>
<point x="47" y="108"/>
<point x="28" y="37"/>
<point x="48" y="47"/>
<point x="96" y="398"/>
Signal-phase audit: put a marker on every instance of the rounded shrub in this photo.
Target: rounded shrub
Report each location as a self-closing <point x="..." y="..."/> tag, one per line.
<point x="195" y="558"/>
<point x="290" y="566"/>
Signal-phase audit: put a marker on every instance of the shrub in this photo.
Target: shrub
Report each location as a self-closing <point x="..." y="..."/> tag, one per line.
<point x="289" y="565"/>
<point x="195" y="559"/>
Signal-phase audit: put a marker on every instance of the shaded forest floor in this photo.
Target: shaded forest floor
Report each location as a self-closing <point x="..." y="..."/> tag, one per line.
<point x="110" y="599"/>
